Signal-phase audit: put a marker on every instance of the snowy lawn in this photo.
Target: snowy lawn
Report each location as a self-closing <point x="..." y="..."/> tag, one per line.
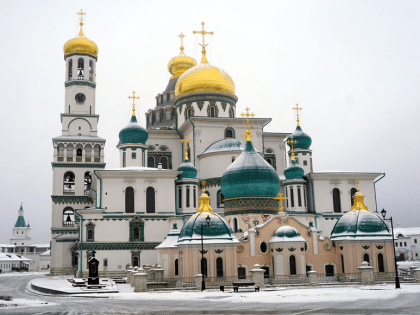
<point x="275" y="295"/>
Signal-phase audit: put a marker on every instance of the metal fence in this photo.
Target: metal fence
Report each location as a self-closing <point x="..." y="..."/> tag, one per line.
<point x="290" y="279"/>
<point x="189" y="282"/>
<point x="384" y="276"/>
<point x="225" y="281"/>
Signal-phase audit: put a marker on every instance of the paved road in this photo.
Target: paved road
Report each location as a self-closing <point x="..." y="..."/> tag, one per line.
<point x="16" y="286"/>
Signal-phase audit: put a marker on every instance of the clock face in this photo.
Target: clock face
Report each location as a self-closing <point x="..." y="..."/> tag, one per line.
<point x="80" y="98"/>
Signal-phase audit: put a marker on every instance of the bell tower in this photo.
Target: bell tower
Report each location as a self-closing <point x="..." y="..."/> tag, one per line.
<point x="78" y="151"/>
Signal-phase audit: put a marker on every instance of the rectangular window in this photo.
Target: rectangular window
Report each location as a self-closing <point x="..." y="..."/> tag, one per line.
<point x="133" y="155"/>
<point x="305" y="163"/>
<point x="292" y="199"/>
<point x="304" y="195"/>
<point x="187" y="197"/>
<point x="299" y="197"/>
<point x="417" y="254"/>
<point x="415" y="241"/>
<point x="123" y="159"/>
<point x="396" y="244"/>
<point x="287" y="199"/>
<point x="180" y="198"/>
<point x="195" y="198"/>
<point x="400" y="244"/>
<point x="405" y="243"/>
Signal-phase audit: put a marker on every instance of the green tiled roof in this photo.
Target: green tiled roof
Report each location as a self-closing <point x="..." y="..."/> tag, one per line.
<point x="250" y="176"/>
<point x="20" y="222"/>
<point x="224" y="145"/>
<point x="303" y="139"/>
<point x="188" y="170"/>
<point x="133" y="133"/>
<point x="293" y="171"/>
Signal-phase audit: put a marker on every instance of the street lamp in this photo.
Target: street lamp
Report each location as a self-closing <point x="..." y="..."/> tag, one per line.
<point x="397" y="279"/>
<point x="203" y="284"/>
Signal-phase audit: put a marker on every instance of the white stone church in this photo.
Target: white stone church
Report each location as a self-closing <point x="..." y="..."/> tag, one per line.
<point x="193" y="134"/>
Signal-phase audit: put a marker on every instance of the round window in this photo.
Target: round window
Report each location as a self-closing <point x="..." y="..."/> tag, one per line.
<point x="263" y="247"/>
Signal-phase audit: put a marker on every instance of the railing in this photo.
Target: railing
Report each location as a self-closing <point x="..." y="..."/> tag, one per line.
<point x="69" y="159"/>
<point x="172" y="283"/>
<point x="60" y="159"/>
<point x="289" y="279"/>
<point x="384" y="276"/>
<point x="79" y="158"/>
<point x="68" y="192"/>
<point x="96" y="160"/>
<point x="88" y="159"/>
<point x="68" y="223"/>
<point x="326" y="277"/>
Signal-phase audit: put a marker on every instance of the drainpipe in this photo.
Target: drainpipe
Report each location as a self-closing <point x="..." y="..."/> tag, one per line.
<point x="182" y="146"/>
<point x="285" y="154"/>
<point x="176" y="204"/>
<point x="313" y="195"/>
<point x="81" y="243"/>
<point x="193" y="138"/>
<point x="100" y="196"/>
<point x="374" y="189"/>
<point x="262" y="129"/>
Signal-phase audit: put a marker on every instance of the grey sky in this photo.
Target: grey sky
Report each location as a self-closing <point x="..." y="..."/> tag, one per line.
<point x="352" y="65"/>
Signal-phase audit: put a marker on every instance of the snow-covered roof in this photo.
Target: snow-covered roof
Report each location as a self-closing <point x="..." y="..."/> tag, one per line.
<point x="5" y="257"/>
<point x="171" y="240"/>
<point x="410" y="231"/>
<point x="7" y="245"/>
<point x="46" y="253"/>
<point x="81" y="138"/>
<point x="41" y="245"/>
<point x="67" y="237"/>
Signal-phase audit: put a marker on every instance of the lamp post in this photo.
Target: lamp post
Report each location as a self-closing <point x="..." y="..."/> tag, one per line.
<point x="397" y="279"/>
<point x="203" y="283"/>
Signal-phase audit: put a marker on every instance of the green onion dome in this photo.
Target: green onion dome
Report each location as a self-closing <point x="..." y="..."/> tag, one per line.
<point x="360" y="223"/>
<point x="188" y="170"/>
<point x="218" y="230"/>
<point x="294" y="171"/>
<point x="250" y="176"/>
<point x="303" y="139"/>
<point x="287" y="234"/>
<point x="133" y="133"/>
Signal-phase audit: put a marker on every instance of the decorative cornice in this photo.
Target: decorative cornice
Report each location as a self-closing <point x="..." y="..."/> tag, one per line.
<point x="253" y="211"/>
<point x="206" y="96"/>
<point x="72" y="199"/>
<point x="64" y="231"/>
<point x="80" y="54"/>
<point x="83" y="165"/>
<point x="71" y="83"/>
<point x="119" y="246"/>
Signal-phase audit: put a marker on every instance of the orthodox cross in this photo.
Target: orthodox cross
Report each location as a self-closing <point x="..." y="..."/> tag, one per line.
<point x="186" y="140"/>
<point x="247" y="132"/>
<point x="292" y="142"/>
<point x="357" y="184"/>
<point x="297" y="109"/>
<point x="203" y="185"/>
<point x="182" y="41"/>
<point x="281" y="198"/>
<point x="134" y="102"/>
<point x="93" y="253"/>
<point x="81" y="15"/>
<point x="203" y="33"/>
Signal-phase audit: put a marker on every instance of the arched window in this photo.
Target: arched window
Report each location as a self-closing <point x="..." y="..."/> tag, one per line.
<point x="69" y="183"/>
<point x="381" y="267"/>
<point x="70" y="71"/>
<point x="235" y="225"/>
<point x="176" y="267"/>
<point x="124" y="159"/>
<point x="212" y="111"/>
<point x="135" y="261"/>
<point x="329" y="270"/>
<point x="231" y="113"/>
<point x="229" y="133"/>
<point x="80" y="68"/>
<point x="164" y="162"/>
<point x="68" y="216"/>
<point x="97" y="150"/>
<point x="269" y="161"/>
<point x="352" y="193"/>
<point x="336" y="200"/>
<point x="105" y="262"/>
<point x="150" y="161"/>
<point x="60" y="150"/>
<point x="219" y="267"/>
<point x="79" y="152"/>
<point x="150" y="200"/>
<point x="264" y="247"/>
<point x="342" y="263"/>
<point x="292" y="198"/>
<point x="366" y="258"/>
<point x="136" y="233"/>
<point x="220" y="199"/>
<point x="88" y="153"/>
<point x="204" y="267"/>
<point x="69" y="153"/>
<point x="189" y="112"/>
<point x="292" y="265"/>
<point x="129" y="200"/>
<point x="90" y="235"/>
<point x="88" y="182"/>
<point x="241" y="273"/>
<point x="90" y="70"/>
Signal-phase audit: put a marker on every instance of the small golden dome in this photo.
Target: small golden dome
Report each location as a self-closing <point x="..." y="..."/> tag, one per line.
<point x="204" y="78"/>
<point x="80" y="44"/>
<point x="179" y="64"/>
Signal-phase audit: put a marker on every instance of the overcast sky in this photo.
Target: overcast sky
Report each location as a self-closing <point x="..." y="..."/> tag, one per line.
<point x="353" y="66"/>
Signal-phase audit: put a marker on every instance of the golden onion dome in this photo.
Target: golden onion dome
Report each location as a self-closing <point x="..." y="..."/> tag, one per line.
<point x="181" y="63"/>
<point x="80" y="44"/>
<point x="204" y="78"/>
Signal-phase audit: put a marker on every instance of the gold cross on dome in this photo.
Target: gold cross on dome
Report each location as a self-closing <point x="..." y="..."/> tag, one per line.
<point x="182" y="36"/>
<point x="203" y="33"/>
<point x="186" y="140"/>
<point x="292" y="143"/>
<point x="81" y="15"/>
<point x="247" y="132"/>
<point x="357" y="184"/>
<point x="281" y="198"/>
<point x="297" y="109"/>
<point x="134" y="97"/>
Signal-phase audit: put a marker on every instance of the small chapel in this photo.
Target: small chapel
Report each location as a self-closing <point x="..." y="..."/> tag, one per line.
<point x="264" y="201"/>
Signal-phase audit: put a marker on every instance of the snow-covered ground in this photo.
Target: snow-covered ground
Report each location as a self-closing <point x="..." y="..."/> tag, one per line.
<point x="17" y="274"/>
<point x="23" y="303"/>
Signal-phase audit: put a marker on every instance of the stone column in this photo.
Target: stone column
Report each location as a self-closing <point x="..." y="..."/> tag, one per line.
<point x="412" y="268"/>
<point x="257" y="276"/>
<point x="198" y="280"/>
<point x="128" y="271"/>
<point x="366" y="273"/>
<point x="159" y="274"/>
<point x="151" y="273"/>
<point x="313" y="278"/>
<point x="140" y="281"/>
